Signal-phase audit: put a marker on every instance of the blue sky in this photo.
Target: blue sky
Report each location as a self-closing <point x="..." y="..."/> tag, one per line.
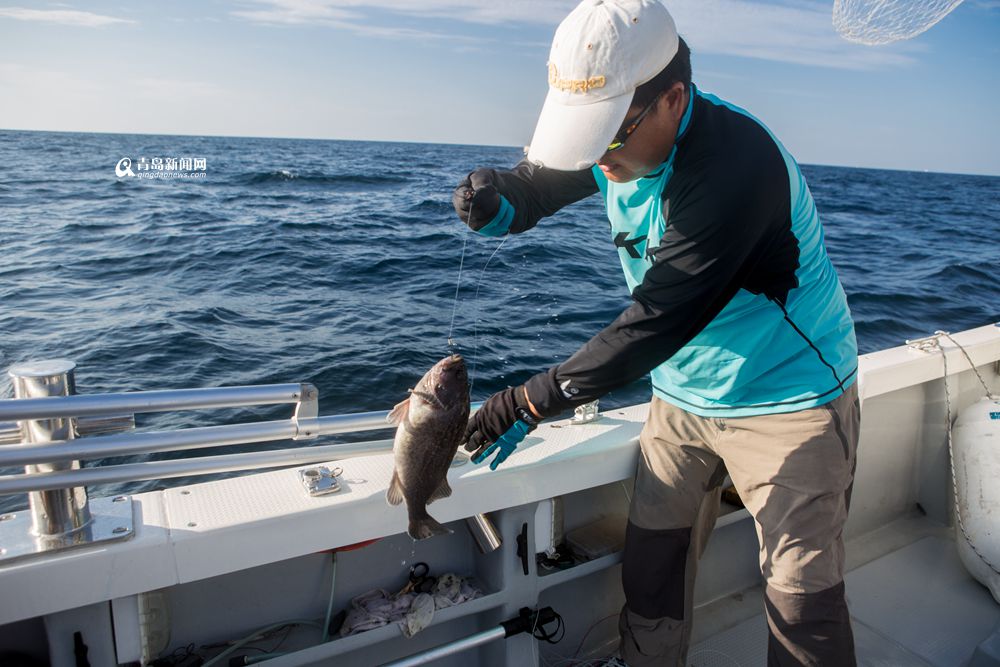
<point x="473" y="71"/>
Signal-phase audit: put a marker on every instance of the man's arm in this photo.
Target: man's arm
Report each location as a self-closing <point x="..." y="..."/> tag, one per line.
<point x="496" y="202"/>
<point x="717" y="233"/>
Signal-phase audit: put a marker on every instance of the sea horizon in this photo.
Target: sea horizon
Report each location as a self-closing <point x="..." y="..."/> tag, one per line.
<point x="442" y="143"/>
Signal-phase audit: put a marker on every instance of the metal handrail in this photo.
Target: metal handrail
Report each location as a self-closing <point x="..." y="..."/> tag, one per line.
<point x="103" y="446"/>
<point x="183" y="439"/>
<point x="146" y="443"/>
<point x="49" y="429"/>
<point x="81" y="405"/>
<point x="130" y="472"/>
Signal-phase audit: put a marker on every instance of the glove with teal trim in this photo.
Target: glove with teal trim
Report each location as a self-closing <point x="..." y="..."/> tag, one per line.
<point x="499" y="426"/>
<point x="481" y="206"/>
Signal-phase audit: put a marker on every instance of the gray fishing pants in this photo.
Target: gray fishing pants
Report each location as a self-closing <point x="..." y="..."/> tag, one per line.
<point x="794" y="473"/>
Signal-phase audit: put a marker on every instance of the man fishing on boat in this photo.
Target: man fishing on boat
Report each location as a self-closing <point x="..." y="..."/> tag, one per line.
<point x="737" y="314"/>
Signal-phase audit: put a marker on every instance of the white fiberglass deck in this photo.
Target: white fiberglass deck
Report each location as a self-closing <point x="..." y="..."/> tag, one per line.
<point x="915" y="605"/>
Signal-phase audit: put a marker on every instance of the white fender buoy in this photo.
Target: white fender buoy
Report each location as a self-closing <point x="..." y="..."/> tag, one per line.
<point x="976" y="461"/>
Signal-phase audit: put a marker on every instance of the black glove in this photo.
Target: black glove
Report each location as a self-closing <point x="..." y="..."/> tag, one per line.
<point x="501" y="423"/>
<point x="478" y="192"/>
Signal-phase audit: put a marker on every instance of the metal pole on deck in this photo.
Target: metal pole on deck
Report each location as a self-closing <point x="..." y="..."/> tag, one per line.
<point x="59" y="517"/>
<point x="56" y="512"/>
<point x="528" y="620"/>
<point x="450" y="649"/>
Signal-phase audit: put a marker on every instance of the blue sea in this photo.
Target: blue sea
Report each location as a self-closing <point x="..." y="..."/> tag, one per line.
<point x="337" y="263"/>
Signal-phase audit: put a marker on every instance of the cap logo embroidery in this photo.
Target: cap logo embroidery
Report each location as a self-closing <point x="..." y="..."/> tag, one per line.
<point x="573" y="85"/>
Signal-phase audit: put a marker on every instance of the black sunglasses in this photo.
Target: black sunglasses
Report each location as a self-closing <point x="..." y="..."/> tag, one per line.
<point x="624" y="134"/>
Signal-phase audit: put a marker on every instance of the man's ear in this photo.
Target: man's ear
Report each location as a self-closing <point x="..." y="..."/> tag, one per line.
<point x="674" y="99"/>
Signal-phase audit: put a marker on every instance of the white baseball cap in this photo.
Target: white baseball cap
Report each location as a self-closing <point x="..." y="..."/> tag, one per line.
<point x="600" y="54"/>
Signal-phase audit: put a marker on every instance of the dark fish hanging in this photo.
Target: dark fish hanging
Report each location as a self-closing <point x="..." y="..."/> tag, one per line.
<point x="431" y="424"/>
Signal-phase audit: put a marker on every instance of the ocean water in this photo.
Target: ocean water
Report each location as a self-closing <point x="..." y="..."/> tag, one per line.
<point x="337" y="263"/>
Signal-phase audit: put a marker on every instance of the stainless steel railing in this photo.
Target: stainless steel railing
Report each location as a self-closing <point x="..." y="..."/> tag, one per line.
<point x="184" y="439"/>
<point x="146" y="401"/>
<point x="82" y="415"/>
<point x="49" y="429"/>
<point x="205" y="465"/>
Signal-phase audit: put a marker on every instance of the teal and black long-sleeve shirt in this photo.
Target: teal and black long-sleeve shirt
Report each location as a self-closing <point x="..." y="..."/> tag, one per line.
<point x="736" y="308"/>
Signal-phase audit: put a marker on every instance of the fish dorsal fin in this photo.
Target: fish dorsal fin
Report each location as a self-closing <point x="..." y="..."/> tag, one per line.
<point x="443" y="491"/>
<point x="398" y="413"/>
<point x="394" y="495"/>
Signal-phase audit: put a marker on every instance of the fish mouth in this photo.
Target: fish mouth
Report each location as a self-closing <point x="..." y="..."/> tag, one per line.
<point x="451" y="367"/>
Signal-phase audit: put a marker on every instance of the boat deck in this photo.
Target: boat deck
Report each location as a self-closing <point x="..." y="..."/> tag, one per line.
<point x="911" y="600"/>
<point x="213" y="562"/>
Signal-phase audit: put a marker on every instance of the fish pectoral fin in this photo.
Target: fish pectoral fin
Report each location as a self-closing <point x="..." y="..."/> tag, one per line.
<point x="395" y="493"/>
<point x="398" y="413"/>
<point x="443" y="491"/>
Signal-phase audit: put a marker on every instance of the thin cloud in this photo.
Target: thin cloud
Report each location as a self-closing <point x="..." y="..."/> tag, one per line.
<point x="800" y="33"/>
<point x="61" y="17"/>
<point x="359" y="28"/>
<point x="334" y="14"/>
<point x="292" y="12"/>
<point x="793" y="31"/>
<point x="465" y="11"/>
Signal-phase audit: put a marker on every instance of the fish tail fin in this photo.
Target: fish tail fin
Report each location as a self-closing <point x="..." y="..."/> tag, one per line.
<point x="424" y="525"/>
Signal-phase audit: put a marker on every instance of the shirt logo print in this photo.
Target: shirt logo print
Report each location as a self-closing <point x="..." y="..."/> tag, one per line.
<point x="622" y="241"/>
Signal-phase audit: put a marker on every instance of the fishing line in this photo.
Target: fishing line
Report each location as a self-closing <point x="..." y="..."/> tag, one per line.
<point x="458" y="284"/>
<point x="475" y="300"/>
<point x="475" y="316"/>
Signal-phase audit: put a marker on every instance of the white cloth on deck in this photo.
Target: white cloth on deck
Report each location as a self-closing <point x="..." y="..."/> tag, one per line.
<point x="413" y="611"/>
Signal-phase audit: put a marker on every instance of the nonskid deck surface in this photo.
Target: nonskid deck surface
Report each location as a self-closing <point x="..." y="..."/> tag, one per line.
<point x="915" y="606"/>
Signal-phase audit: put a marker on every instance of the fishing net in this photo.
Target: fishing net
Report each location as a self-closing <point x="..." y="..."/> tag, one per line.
<point x="876" y="22"/>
